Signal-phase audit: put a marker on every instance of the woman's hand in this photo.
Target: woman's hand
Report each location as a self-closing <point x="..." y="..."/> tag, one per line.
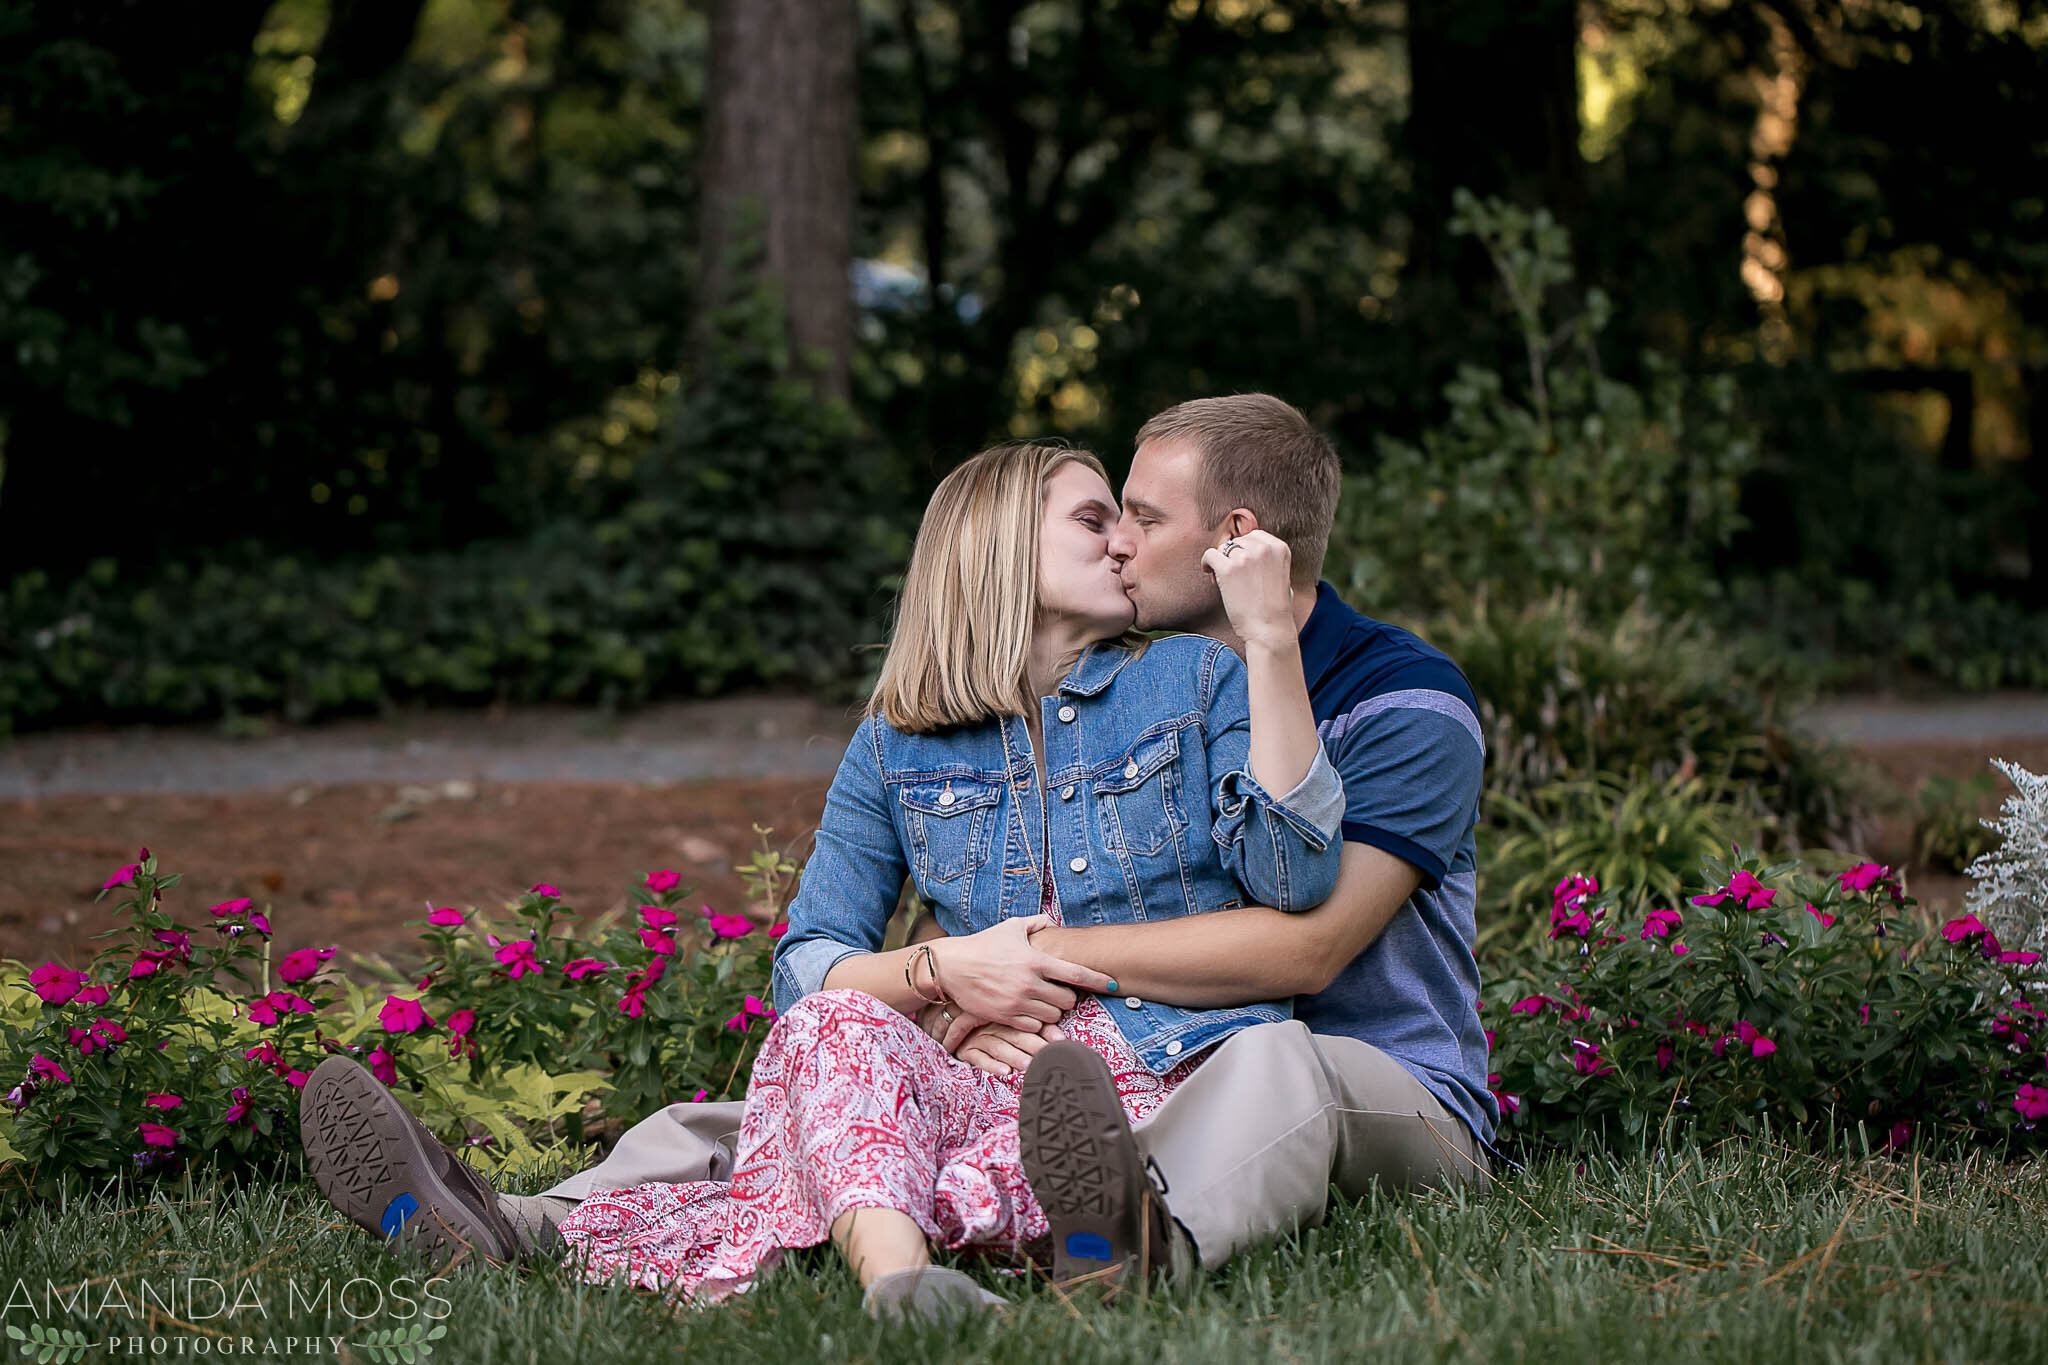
<point x="999" y="977"/>
<point x="1257" y="595"/>
<point x="997" y="1049"/>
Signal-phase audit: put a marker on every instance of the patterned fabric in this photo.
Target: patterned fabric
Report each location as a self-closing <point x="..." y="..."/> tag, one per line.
<point x="851" y="1105"/>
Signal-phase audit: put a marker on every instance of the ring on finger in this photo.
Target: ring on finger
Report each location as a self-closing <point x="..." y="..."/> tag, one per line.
<point x="1228" y="546"/>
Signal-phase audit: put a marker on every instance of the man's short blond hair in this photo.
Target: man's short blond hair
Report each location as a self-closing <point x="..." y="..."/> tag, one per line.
<point x="1260" y="453"/>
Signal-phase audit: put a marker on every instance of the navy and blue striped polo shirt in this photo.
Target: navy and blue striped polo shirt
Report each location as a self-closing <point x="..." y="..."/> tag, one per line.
<point x="1399" y="721"/>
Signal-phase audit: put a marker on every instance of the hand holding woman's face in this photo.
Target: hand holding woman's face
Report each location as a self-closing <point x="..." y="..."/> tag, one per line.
<point x="1079" y="585"/>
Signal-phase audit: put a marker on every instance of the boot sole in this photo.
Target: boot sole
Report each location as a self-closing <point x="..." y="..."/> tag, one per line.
<point x="369" y="1162"/>
<point x="1082" y="1163"/>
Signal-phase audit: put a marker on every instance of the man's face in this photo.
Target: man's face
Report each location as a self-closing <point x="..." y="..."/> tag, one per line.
<point x="1160" y="538"/>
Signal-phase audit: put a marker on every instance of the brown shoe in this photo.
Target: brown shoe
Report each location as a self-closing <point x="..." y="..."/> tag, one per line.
<point x="381" y="1167"/>
<point x="1085" y="1168"/>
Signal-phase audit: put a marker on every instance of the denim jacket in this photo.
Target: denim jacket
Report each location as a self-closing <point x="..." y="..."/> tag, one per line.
<point x="1150" y="812"/>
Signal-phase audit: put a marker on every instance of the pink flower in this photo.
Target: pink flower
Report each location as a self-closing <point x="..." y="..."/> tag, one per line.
<point x="260" y="925"/>
<point x="122" y="876"/>
<point x="631" y="1004"/>
<point x="1679" y="950"/>
<point x="382" y="1066"/>
<point x="1862" y="877"/>
<point x="1759" y="1046"/>
<point x="1586" y="1058"/>
<point x="545" y="889"/>
<point x="156" y="1135"/>
<point x="1530" y="1004"/>
<point x="177" y="942"/>
<point x="1665" y="1053"/>
<point x="55" y="984"/>
<point x="1966" y="929"/>
<point x="634" y="1001"/>
<point x="1864" y="1010"/>
<point x="2020" y="959"/>
<point x="301" y="964"/>
<point x="1901" y="1133"/>
<point x="267" y="1010"/>
<point x="731" y="926"/>
<point x="654" y="917"/>
<point x="658" y="941"/>
<point x="778" y="929"/>
<point x="751" y="1008"/>
<point x="1662" y="923"/>
<point x="104" y="1033"/>
<point x="1710" y="897"/>
<point x="238" y="1112"/>
<point x="461" y="1022"/>
<point x="1573" y="892"/>
<point x="161" y="1100"/>
<point x="401" y="1015"/>
<point x="94" y="994"/>
<point x="585" y="967"/>
<point x="233" y="907"/>
<point x="1827" y="921"/>
<point x="295" y="1079"/>
<point x="518" y="958"/>
<point x="1755" y="895"/>
<point x="1577" y="922"/>
<point x="147" y="964"/>
<point x="698" y="1098"/>
<point x="43" y="1067"/>
<point x="664" y="880"/>
<point x="1509" y="1104"/>
<point x="2032" y="1102"/>
<point x="447" y="917"/>
<point x="266" y="1053"/>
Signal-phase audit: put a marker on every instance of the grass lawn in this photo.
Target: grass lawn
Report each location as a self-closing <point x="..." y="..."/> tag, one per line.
<point x="1734" y="1253"/>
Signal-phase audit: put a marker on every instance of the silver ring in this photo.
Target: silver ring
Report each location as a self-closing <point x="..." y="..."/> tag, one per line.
<point x="1228" y="546"/>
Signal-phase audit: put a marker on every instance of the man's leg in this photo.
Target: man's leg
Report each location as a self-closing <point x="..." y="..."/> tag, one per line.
<point x="682" y="1142"/>
<point x="1250" y="1143"/>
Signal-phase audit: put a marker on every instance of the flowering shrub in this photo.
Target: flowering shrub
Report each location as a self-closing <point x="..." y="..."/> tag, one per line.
<point x="187" y="1043"/>
<point x="1776" y="995"/>
<point x="2011" y="893"/>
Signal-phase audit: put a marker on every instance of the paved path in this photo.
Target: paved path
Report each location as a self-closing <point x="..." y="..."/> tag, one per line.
<point x="677" y="742"/>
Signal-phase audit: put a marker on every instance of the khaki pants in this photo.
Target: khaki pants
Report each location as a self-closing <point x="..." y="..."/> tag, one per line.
<point x="1249" y="1145"/>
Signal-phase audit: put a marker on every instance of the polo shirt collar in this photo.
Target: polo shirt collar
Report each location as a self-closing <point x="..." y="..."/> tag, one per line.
<point x="1323" y="634"/>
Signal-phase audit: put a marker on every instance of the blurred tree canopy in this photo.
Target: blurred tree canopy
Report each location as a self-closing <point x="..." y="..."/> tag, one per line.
<point x="339" y="275"/>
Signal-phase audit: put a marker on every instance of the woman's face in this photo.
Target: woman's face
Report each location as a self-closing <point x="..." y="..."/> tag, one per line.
<point x="1078" y="583"/>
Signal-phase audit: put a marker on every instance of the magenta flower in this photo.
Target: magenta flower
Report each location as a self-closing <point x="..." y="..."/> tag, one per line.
<point x="751" y="1008"/>
<point x="778" y="929"/>
<point x="267" y="1010"/>
<point x="631" y="1004"/>
<point x="461" y="1022"/>
<point x="545" y="889"/>
<point x="401" y="1015"/>
<point x="518" y="958"/>
<point x="265" y="1052"/>
<point x="654" y="917"/>
<point x="1679" y="950"/>
<point x="301" y="964"/>
<point x="382" y="1066"/>
<point x="447" y="917"/>
<point x="43" y="1068"/>
<point x="2032" y="1102"/>
<point x="55" y="984"/>
<point x="731" y="926"/>
<point x="93" y="994"/>
<point x="664" y="880"/>
<point x="156" y="1135"/>
<point x="148" y="964"/>
<point x="658" y="942"/>
<point x="162" y="1100"/>
<point x="1759" y="1046"/>
<point x="1509" y="1104"/>
<point x="1827" y="921"/>
<point x="179" y="943"/>
<point x="1662" y="923"/>
<point x="1967" y="929"/>
<point x="296" y="1079"/>
<point x="1665" y="1054"/>
<point x="1586" y="1058"/>
<point x="233" y="907"/>
<point x="238" y="1112"/>
<point x="1755" y="895"/>
<point x="1862" y="877"/>
<point x="1573" y="892"/>
<point x="122" y="876"/>
<point x="1530" y="1004"/>
<point x="584" y="967"/>
<point x="104" y="1033"/>
<point x="1577" y="922"/>
<point x="2020" y="959"/>
<point x="698" y="1098"/>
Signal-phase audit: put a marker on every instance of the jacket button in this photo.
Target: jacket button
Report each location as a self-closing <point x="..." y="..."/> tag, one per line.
<point x="1132" y="1002"/>
<point x="1078" y="865"/>
<point x="1131" y="768"/>
<point x="1066" y="713"/>
<point x="1173" y="1048"/>
<point x="1067" y="792"/>
<point x="946" y="798"/>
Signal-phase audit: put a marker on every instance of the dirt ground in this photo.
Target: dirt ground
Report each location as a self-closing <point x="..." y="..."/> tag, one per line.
<point x="348" y="863"/>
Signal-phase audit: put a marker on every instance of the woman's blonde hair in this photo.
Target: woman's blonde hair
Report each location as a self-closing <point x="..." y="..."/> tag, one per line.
<point x="960" y="652"/>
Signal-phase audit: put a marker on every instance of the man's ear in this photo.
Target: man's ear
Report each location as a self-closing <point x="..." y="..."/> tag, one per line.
<point x="1241" y="521"/>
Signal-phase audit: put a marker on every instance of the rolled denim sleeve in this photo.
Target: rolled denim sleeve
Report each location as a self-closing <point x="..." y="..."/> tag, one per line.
<point x="1284" y="851"/>
<point x="849" y="887"/>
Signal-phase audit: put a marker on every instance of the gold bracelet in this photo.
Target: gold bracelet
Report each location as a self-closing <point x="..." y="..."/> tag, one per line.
<point x="931" y="963"/>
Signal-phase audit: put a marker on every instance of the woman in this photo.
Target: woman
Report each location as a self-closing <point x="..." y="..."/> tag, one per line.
<point x="1024" y="758"/>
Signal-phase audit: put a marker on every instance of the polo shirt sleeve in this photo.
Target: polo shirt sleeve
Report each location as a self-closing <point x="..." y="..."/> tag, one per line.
<point x="1413" y="763"/>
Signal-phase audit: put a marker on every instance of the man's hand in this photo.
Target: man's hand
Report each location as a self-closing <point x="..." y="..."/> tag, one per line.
<point x="995" y="1048"/>
<point x="1253" y="578"/>
<point x="999" y="976"/>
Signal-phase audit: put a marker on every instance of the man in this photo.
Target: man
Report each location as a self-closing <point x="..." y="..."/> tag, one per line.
<point x="1380" y="1076"/>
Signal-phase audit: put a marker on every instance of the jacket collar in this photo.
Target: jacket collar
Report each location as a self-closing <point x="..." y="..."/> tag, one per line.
<point x="1093" y="670"/>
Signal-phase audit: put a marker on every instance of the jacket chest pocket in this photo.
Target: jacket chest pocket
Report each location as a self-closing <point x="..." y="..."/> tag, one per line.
<point x="1142" y="811"/>
<point x="951" y="822"/>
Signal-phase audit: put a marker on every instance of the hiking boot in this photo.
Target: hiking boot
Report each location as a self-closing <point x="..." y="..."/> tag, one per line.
<point x="381" y="1167"/>
<point x="1085" y="1168"/>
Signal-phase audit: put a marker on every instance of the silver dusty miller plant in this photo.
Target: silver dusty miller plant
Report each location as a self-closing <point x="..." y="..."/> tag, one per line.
<point x="2011" y="894"/>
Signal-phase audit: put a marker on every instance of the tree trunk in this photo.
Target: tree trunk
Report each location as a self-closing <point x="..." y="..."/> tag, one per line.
<point x="780" y="124"/>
